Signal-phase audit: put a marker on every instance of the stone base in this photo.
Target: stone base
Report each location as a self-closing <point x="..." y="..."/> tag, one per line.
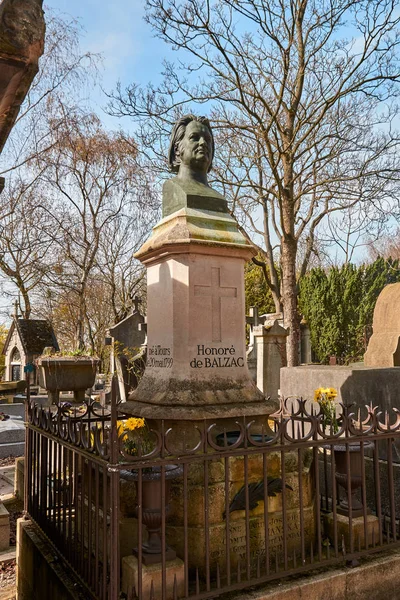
<point x="237" y="540"/>
<point x="357" y="525"/>
<point x="198" y="512"/>
<point x="19" y="477"/>
<point x="192" y="413"/>
<point x="152" y="574"/>
<point x="4" y="528"/>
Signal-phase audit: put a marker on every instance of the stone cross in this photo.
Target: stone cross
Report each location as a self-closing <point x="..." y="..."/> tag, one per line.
<point x="136" y="302"/>
<point x="216" y="291"/>
<point x="253" y="319"/>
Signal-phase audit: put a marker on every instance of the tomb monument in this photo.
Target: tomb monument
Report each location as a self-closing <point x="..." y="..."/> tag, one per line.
<point x="196" y="359"/>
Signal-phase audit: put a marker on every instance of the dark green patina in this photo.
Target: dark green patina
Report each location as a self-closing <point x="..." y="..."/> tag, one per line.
<point x="179" y="193"/>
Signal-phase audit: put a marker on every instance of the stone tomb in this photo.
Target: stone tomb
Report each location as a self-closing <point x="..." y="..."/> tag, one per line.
<point x="384" y="346"/>
<point x="215" y="494"/>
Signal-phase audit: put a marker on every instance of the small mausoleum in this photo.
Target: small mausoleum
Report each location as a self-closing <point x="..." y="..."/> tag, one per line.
<point x="25" y="341"/>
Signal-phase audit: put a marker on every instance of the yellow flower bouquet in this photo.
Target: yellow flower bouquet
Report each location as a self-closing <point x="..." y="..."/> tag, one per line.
<point x="135" y="436"/>
<point x="326" y="400"/>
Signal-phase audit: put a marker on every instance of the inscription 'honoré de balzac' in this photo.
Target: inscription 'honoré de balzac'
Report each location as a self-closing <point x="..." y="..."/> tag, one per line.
<point x="212" y="357"/>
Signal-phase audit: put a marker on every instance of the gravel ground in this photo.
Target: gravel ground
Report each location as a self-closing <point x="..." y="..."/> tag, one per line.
<point x="8" y="568"/>
<point x="7" y="575"/>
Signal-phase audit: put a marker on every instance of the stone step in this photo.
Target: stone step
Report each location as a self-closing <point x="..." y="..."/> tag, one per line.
<point x="14" y="410"/>
<point x="12" y="430"/>
<point x="12" y="449"/>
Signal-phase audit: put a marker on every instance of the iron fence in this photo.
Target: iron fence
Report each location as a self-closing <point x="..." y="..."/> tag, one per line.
<point x="215" y="507"/>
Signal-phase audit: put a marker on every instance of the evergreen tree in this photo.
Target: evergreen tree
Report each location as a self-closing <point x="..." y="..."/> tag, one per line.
<point x="339" y="304"/>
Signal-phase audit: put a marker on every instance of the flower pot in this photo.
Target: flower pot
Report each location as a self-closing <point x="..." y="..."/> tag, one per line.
<point x="67" y="373"/>
<point x="152" y="509"/>
<point x="342" y="476"/>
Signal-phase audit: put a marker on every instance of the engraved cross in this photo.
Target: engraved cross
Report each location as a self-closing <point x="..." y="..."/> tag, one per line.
<point x="216" y="291"/>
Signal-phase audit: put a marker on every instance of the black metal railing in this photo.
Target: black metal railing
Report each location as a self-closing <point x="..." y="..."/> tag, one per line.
<point x="217" y="507"/>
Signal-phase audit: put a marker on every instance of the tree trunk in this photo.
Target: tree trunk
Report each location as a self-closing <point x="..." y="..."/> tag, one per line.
<point x="26" y="313"/>
<point x="81" y="321"/>
<point x="289" y="300"/>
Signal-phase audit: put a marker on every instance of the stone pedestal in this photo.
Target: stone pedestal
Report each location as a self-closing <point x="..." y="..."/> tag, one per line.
<point x="152" y="576"/>
<point x="271" y="357"/>
<point x="196" y="360"/>
<point x="357" y="525"/>
<point x="217" y="508"/>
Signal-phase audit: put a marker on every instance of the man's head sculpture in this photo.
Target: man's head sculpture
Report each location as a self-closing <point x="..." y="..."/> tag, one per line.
<point x="192" y="144"/>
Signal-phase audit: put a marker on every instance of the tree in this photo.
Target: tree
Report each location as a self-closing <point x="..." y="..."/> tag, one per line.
<point x="339" y="303"/>
<point x="24" y="241"/>
<point x="65" y="73"/>
<point x="56" y="92"/>
<point x="3" y="337"/>
<point x="256" y="290"/>
<point x="302" y="94"/>
<point x="93" y="180"/>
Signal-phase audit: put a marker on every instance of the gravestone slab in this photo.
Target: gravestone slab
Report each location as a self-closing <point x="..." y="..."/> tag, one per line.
<point x="384" y="345"/>
<point x="129" y="337"/>
<point x="12" y="437"/>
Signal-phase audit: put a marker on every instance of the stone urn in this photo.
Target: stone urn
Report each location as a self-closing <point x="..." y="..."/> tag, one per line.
<point x="67" y="374"/>
<point x="152" y="508"/>
<point x="342" y="476"/>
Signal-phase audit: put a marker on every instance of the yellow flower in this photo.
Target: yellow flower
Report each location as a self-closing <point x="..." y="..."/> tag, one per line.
<point x="317" y="394"/>
<point x="134" y="423"/>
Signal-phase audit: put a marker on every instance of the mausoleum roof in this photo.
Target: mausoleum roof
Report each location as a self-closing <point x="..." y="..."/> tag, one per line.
<point x="35" y="335"/>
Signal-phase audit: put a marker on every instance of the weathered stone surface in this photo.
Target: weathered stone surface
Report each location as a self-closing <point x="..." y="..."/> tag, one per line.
<point x="358" y="530"/>
<point x="271" y="356"/>
<point x="210" y="505"/>
<point x="376" y="580"/>
<point x="355" y="384"/>
<point x="237" y="538"/>
<point x="196" y="355"/>
<point x="384" y="346"/>
<point x="190" y="226"/>
<point x="4" y="528"/>
<point x="152" y="574"/>
<point x="19" y="477"/>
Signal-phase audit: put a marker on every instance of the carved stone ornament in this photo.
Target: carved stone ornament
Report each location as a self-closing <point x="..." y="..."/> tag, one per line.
<point x="22" y="30"/>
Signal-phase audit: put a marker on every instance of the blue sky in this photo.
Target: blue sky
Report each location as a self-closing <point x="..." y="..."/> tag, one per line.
<point x="117" y="30"/>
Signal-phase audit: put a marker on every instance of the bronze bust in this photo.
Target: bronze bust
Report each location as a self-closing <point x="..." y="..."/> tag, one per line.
<point x="191" y="149"/>
<point x="190" y="156"/>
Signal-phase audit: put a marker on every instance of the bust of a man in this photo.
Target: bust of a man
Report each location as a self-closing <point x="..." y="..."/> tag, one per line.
<point x="191" y="148"/>
<point x="191" y="153"/>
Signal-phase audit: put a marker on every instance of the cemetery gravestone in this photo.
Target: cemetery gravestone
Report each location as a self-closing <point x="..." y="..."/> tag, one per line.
<point x="129" y="347"/>
<point x="384" y="345"/>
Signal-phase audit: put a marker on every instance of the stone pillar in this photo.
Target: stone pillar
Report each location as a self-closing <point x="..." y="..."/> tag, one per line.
<point x="271" y="356"/>
<point x="196" y="354"/>
<point x="253" y="320"/>
<point x="305" y="344"/>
